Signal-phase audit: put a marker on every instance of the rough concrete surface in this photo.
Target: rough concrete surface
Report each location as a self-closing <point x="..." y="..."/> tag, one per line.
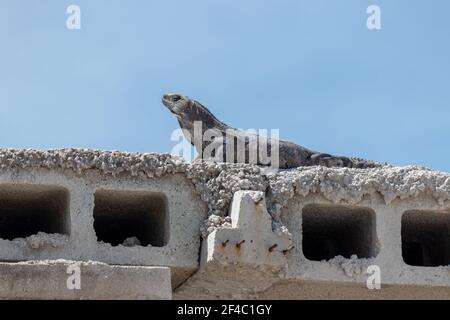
<point x="324" y="226"/>
<point x="48" y="280"/>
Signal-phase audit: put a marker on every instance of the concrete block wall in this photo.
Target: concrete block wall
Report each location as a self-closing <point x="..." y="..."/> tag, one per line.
<point x="59" y="214"/>
<point x="141" y="216"/>
<point x="340" y="224"/>
<point x="407" y="239"/>
<point x="329" y="246"/>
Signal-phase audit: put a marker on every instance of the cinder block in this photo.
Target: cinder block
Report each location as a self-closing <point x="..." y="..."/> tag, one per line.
<point x="119" y="220"/>
<point x="346" y="226"/>
<point x="408" y="239"/>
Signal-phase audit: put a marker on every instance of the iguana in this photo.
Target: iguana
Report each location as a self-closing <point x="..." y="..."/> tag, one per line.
<point x="291" y="155"/>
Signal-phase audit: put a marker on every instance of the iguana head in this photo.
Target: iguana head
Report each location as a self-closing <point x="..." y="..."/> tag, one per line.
<point x="177" y="104"/>
<point x="188" y="111"/>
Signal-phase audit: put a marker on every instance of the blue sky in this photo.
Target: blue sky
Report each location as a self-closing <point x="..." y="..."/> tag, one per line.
<point x="309" y="68"/>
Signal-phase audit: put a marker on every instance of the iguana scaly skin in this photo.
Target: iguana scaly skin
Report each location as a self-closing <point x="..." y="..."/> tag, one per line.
<point x="291" y="155"/>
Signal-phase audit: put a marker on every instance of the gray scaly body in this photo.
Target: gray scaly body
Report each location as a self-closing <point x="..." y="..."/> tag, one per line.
<point x="291" y="155"/>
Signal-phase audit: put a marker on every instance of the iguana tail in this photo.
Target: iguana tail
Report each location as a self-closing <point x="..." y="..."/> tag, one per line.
<point x="328" y="160"/>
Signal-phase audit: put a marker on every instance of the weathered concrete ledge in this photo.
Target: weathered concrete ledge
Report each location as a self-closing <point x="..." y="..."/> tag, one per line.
<point x="49" y="280"/>
<point x="261" y="229"/>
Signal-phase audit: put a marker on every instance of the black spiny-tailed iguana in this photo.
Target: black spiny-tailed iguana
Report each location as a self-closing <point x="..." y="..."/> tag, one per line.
<point x="291" y="155"/>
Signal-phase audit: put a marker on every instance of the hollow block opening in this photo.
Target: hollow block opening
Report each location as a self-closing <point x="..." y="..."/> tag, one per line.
<point x="333" y="230"/>
<point x="426" y="238"/>
<point x="131" y="218"/>
<point x="27" y="209"/>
